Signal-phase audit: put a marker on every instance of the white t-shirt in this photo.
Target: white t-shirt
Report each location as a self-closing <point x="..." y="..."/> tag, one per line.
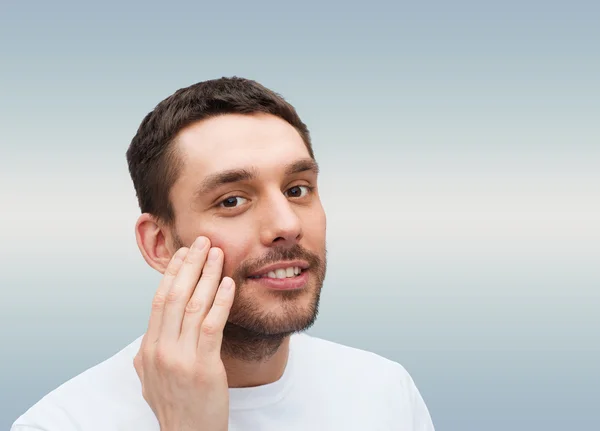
<point x="325" y="386"/>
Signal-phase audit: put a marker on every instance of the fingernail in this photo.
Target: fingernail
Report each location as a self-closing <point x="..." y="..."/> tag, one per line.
<point x="227" y="283"/>
<point x="200" y="243"/>
<point x="213" y="254"/>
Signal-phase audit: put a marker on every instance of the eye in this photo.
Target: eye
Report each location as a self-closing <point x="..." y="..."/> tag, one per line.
<point x="232" y="202"/>
<point x="298" y="191"/>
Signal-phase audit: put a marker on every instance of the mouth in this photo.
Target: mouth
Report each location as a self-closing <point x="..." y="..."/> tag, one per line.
<point x="280" y="270"/>
<point x="281" y="273"/>
<point x="282" y="276"/>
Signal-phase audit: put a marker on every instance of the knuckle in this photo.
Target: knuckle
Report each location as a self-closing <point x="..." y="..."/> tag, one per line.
<point x="194" y="305"/>
<point x="171" y="271"/>
<point x="209" y="328"/>
<point x="162" y="357"/>
<point x="173" y="294"/>
<point x="222" y="301"/>
<point x="210" y="274"/>
<point x="158" y="301"/>
<point x="191" y="257"/>
<point x="180" y="254"/>
<point x="208" y="278"/>
<point x="172" y="364"/>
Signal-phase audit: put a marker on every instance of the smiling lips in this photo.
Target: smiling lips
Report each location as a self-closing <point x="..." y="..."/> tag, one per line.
<point x="289" y="272"/>
<point x="283" y="276"/>
<point x="287" y="269"/>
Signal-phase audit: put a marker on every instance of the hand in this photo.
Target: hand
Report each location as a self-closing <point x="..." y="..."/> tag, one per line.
<point x="179" y="361"/>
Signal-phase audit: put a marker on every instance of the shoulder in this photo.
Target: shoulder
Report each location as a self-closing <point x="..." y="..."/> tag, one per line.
<point x="381" y="383"/>
<point x="344" y="358"/>
<point x="108" y="391"/>
<point x="331" y="350"/>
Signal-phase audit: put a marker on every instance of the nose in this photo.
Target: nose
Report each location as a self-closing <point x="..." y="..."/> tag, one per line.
<point x="280" y="223"/>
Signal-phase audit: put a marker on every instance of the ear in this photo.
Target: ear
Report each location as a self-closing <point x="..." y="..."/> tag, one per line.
<point x="153" y="240"/>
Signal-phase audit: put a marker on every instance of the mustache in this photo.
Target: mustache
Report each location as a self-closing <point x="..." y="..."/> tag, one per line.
<point x="274" y="255"/>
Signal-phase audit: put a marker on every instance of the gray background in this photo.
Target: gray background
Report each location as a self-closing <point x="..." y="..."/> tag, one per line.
<point x="460" y="151"/>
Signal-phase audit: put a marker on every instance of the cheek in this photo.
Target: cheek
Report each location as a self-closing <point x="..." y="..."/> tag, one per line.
<point x="236" y="247"/>
<point x="315" y="228"/>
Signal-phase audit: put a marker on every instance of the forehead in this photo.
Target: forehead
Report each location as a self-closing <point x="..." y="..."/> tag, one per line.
<point x="234" y="141"/>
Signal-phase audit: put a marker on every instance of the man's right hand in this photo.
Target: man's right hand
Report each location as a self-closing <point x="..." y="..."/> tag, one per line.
<point x="179" y="361"/>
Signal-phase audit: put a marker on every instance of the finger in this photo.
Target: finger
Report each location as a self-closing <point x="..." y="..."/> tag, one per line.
<point x="158" y="302"/>
<point x="202" y="298"/>
<point x="181" y="289"/>
<point x="211" y="330"/>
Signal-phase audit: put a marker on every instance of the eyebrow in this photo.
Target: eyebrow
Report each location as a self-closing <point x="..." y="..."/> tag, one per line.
<point x="222" y="178"/>
<point x="302" y="165"/>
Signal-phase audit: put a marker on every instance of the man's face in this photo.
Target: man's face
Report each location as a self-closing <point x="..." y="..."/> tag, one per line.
<point x="248" y="184"/>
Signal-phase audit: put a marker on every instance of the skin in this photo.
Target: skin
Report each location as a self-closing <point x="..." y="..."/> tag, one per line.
<point x="203" y="338"/>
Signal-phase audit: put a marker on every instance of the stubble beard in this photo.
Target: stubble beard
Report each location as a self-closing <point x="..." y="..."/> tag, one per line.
<point x="253" y="335"/>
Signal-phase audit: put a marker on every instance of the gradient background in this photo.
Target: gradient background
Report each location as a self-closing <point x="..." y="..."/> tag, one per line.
<point x="460" y="151"/>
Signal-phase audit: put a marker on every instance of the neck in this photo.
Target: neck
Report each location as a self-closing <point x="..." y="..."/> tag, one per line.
<point x="252" y="359"/>
<point x="244" y="374"/>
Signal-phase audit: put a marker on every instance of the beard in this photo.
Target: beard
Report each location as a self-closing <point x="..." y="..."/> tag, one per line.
<point x="253" y="334"/>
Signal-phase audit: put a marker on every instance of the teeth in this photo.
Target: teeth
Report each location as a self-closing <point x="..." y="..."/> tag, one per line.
<point x="292" y="271"/>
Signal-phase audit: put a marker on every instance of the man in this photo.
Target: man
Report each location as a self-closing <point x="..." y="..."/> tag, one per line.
<point x="226" y="180"/>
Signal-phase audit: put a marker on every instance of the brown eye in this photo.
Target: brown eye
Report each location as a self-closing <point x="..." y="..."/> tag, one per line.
<point x="232" y="202"/>
<point x="298" y="191"/>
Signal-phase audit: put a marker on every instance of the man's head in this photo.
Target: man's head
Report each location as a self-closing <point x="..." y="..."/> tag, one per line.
<point x="231" y="160"/>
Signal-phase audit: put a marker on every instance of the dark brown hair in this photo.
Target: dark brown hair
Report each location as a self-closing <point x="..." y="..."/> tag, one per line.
<point x="154" y="164"/>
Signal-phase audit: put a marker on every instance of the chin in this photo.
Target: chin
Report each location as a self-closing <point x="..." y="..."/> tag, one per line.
<point x="281" y="313"/>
